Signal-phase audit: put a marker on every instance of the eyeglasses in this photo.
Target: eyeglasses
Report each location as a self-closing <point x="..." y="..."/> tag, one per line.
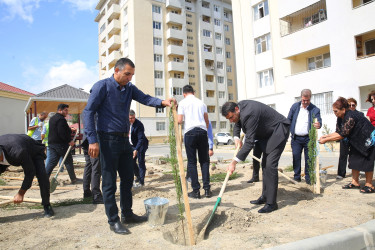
<point x="352" y="105"/>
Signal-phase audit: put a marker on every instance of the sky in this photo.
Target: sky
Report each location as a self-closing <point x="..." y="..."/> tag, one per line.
<point x="47" y="43"/>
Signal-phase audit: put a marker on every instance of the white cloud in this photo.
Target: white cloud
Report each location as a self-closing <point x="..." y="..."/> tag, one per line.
<point x="21" y="8"/>
<point x="83" y="4"/>
<point x="76" y="74"/>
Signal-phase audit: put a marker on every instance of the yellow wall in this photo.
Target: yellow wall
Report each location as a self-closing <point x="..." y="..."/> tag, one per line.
<point x="299" y="62"/>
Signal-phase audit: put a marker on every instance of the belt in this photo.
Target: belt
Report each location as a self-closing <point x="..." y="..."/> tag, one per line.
<point x="121" y="134"/>
<point x="302" y="135"/>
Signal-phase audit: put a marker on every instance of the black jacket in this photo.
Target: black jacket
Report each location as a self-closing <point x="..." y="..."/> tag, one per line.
<point x="260" y="122"/>
<point x="314" y="112"/>
<point x="20" y="150"/>
<point x="59" y="131"/>
<point x="139" y="140"/>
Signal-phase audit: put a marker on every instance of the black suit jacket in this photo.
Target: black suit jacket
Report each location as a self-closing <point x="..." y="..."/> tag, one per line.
<point x="59" y="131"/>
<point x="139" y="140"/>
<point x="260" y="122"/>
<point x="20" y="150"/>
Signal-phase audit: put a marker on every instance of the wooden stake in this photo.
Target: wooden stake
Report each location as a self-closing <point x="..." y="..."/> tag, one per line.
<point x="10" y="200"/>
<point x="317" y="169"/>
<point x="18" y="187"/>
<point x="182" y="177"/>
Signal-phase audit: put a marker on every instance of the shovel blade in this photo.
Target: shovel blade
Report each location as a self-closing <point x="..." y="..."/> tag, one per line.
<point x="53" y="185"/>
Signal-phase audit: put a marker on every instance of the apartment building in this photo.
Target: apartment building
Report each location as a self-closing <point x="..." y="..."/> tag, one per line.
<point x="284" y="46"/>
<point x="172" y="43"/>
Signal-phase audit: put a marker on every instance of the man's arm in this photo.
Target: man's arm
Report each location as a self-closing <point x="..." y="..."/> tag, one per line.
<point x="180" y="119"/>
<point x="29" y="172"/>
<point x="141" y="136"/>
<point x="206" y="119"/>
<point x="210" y="140"/>
<point x="319" y="123"/>
<point x="33" y="122"/>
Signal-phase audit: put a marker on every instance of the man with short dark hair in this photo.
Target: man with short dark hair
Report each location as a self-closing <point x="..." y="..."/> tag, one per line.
<point x="301" y="116"/>
<point x="139" y="143"/>
<point x="21" y="150"/>
<point x="259" y="122"/>
<point x="36" y="126"/>
<point x="59" y="140"/>
<point x="110" y="99"/>
<point x="193" y="112"/>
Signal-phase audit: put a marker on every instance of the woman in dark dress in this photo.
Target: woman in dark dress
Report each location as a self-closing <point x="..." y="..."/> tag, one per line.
<point x="358" y="132"/>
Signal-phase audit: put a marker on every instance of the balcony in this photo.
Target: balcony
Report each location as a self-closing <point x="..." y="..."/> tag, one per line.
<point x="177" y="82"/>
<point x="114" y="43"/>
<point x="176" y="66"/>
<point x="207" y="55"/>
<point x="210" y="101"/>
<point x="360" y="3"/>
<point x="175" y="34"/>
<point x="99" y="16"/>
<point x="113" y="58"/>
<point x="304" y="18"/>
<point x="175" y="50"/>
<point x="365" y="45"/>
<point x="175" y="18"/>
<point x="173" y="4"/>
<point x="114" y="27"/>
<point x="113" y="12"/>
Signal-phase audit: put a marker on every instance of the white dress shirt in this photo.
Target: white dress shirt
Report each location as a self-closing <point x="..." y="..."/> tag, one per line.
<point x="193" y="111"/>
<point x="302" y="124"/>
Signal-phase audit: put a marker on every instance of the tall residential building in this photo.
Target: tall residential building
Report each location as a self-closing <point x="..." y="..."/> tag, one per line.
<point x="172" y="43"/>
<point x="284" y="46"/>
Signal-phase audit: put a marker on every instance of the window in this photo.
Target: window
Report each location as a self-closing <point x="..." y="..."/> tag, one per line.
<point x="158" y="58"/>
<point x="217" y="36"/>
<point x="207" y="48"/>
<point x="158" y="74"/>
<point x="206" y="33"/>
<point x="210" y="93"/>
<point x="160" y="126"/>
<point x="191" y="68"/>
<point x="223" y="125"/>
<point x="220" y="79"/>
<point x="226" y="15"/>
<point x="210" y="109"/>
<point x="189" y="30"/>
<point x="217" y="22"/>
<point x="261" y="10"/>
<point x="190" y="37"/>
<point x="189" y="23"/>
<point x="177" y="75"/>
<point x="190" y="45"/>
<point x="370" y="47"/>
<point x="156" y="9"/>
<point x="191" y="52"/>
<point x="177" y="91"/>
<point x="227" y="55"/>
<point x="262" y="43"/>
<point x="220" y="65"/>
<point x="102" y="28"/>
<point x="192" y="83"/>
<point x="209" y="78"/>
<point x="320" y="61"/>
<point x="188" y="1"/>
<point x="229" y="68"/>
<point x="192" y="76"/>
<point x="126" y="44"/>
<point x="323" y="101"/>
<point x="159" y="91"/>
<point x="265" y="78"/>
<point x="191" y="60"/>
<point x="205" y="4"/>
<point x="221" y="94"/>
<point x="318" y="17"/>
<point x="159" y="111"/>
<point x="216" y="8"/>
<point x="219" y="50"/>
<point x="227" y="41"/>
<point x="206" y="19"/>
<point x="230" y="97"/>
<point x="156" y="25"/>
<point x="175" y="27"/>
<point x="176" y="59"/>
<point x="188" y="15"/>
<point x="229" y="82"/>
<point x="226" y="27"/>
<point x="125" y="11"/>
<point x="213" y="124"/>
<point x="188" y="8"/>
<point x="125" y="28"/>
<point x="157" y="41"/>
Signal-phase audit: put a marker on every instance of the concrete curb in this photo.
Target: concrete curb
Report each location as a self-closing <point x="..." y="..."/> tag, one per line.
<point x="360" y="237"/>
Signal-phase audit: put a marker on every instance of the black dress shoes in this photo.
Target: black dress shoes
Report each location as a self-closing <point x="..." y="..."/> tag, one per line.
<point x="119" y="228"/>
<point x="98" y="200"/>
<point x="133" y="219"/>
<point x="259" y="201"/>
<point x="194" y="194"/>
<point x="207" y="193"/>
<point x="48" y="211"/>
<point x="268" y="208"/>
<point x="253" y="180"/>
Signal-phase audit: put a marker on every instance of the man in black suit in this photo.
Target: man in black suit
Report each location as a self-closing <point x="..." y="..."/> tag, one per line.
<point x="259" y="122"/>
<point x="140" y="145"/>
<point x="22" y="150"/>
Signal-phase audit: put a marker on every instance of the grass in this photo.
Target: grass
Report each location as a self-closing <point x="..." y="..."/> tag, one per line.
<point x="289" y="168"/>
<point x="220" y="177"/>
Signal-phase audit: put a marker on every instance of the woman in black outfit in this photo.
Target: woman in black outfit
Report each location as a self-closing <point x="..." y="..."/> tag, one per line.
<point x="358" y="132"/>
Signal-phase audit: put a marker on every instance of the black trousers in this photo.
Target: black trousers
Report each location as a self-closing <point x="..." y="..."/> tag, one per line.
<point x="196" y="141"/>
<point x="41" y="175"/>
<point x="91" y="176"/>
<point x="140" y="167"/>
<point x="343" y="159"/>
<point x="298" y="144"/>
<point x="257" y="151"/>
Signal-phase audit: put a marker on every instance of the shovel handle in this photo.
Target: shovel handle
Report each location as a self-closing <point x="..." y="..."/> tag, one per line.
<point x="66" y="155"/>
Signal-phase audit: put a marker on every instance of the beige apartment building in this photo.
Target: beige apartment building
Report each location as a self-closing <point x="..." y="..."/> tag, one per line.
<point x="284" y="46"/>
<point x="172" y="43"/>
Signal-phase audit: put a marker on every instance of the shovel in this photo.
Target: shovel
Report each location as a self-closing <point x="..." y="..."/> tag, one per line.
<point x="203" y="231"/>
<point x="54" y="182"/>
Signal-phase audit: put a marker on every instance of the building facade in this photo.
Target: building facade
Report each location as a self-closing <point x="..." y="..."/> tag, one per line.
<point x="172" y="43"/>
<point x="284" y="46"/>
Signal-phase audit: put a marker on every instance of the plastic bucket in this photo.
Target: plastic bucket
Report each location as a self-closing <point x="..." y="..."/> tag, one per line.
<point x="156" y="209"/>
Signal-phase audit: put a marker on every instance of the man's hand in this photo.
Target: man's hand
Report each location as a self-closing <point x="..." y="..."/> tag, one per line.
<point x="211" y="152"/>
<point x="18" y="198"/>
<point x="232" y="167"/>
<point x="323" y="139"/>
<point x="316" y="125"/>
<point x="71" y="143"/>
<point x="238" y="143"/>
<point x="134" y="154"/>
<point x="168" y="102"/>
<point x="94" y="150"/>
<point x="73" y="129"/>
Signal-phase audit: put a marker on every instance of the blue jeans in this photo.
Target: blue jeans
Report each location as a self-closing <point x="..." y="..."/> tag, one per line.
<point x="196" y="140"/>
<point x="54" y="153"/>
<point x="300" y="143"/>
<point x="116" y="155"/>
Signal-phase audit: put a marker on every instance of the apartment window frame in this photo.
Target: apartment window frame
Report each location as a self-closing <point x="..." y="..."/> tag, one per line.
<point x="229" y="82"/>
<point x="157" y="41"/>
<point x="218" y="36"/>
<point x="159" y="91"/>
<point x="216" y="8"/>
<point x="223" y="125"/>
<point x="221" y="94"/>
<point x="227" y="55"/>
<point x="229" y="68"/>
<point x="156" y="9"/>
<point x="220" y="79"/>
<point x="177" y="91"/>
<point x="227" y="41"/>
<point x="262" y="43"/>
<point x="159" y="110"/>
<point x="226" y="27"/>
<point x="220" y="65"/>
<point x="265" y="78"/>
<point x="217" y="22"/>
<point x="158" y="74"/>
<point x="261" y="10"/>
<point x="160" y="126"/>
<point x="219" y="50"/>
<point x="156" y="25"/>
<point x="371" y="43"/>
<point x="158" y="58"/>
<point x="319" y="61"/>
<point x="206" y="33"/>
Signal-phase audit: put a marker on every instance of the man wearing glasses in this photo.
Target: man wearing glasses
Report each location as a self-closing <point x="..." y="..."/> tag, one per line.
<point x="301" y="116"/>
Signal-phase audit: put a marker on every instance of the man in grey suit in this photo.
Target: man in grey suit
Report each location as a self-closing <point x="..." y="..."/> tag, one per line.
<point x="259" y="122"/>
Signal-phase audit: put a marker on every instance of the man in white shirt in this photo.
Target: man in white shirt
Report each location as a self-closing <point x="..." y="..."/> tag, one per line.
<point x="194" y="112"/>
<point x="301" y="115"/>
